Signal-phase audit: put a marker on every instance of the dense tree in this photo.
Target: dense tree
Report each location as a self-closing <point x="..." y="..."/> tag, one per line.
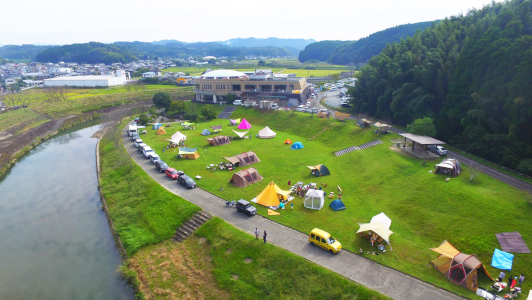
<point x="177" y="106"/>
<point x="423" y="126"/>
<point x="319" y="50"/>
<point x="87" y="53"/>
<point x="162" y="100"/>
<point x="208" y="112"/>
<point x="21" y="52"/>
<point x="143" y="120"/>
<point x="191" y="116"/>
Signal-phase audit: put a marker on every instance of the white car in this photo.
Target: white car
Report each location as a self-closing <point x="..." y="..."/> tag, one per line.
<point x="147" y="151"/>
<point x="275" y="106"/>
<point x="237" y="102"/>
<point x="437" y="150"/>
<point x="301" y="108"/>
<point x="138" y="142"/>
<point x="154" y="157"/>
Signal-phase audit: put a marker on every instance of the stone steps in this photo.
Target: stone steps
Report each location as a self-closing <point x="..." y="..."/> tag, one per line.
<point x="191" y="225"/>
<point x="355" y="148"/>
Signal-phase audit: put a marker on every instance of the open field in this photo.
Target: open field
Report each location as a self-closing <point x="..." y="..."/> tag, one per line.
<point x="16" y="117"/>
<point x="424" y="208"/>
<point x="222" y="262"/>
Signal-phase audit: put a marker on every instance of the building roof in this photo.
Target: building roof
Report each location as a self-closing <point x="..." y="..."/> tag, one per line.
<point x="421" y="139"/>
<point x="78" y="78"/>
<point x="223" y="74"/>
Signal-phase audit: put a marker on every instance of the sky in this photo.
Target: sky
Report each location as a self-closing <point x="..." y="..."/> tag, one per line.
<point x="62" y="22"/>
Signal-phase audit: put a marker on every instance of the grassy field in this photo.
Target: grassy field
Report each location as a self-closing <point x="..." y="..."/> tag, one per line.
<point x="424" y="208"/>
<point x="222" y="262"/>
<point x="16" y="117"/>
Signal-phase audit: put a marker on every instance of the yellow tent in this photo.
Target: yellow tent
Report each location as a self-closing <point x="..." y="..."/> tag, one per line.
<point x="341" y="116"/>
<point x="189" y="153"/>
<point x="271" y="195"/>
<point x="160" y="131"/>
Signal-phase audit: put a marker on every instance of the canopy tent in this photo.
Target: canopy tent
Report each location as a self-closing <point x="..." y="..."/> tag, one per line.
<point x="502" y="260"/>
<point x="244" y="125"/>
<point x="241" y="134"/>
<point x="459" y="268"/>
<point x="341" y="116"/>
<point x="387" y="222"/>
<point x="156" y="126"/>
<point x="160" y="131"/>
<point x="319" y="170"/>
<point x="378" y="228"/>
<point x="189" y="153"/>
<point x="246" y="177"/>
<point x="272" y="195"/>
<point x="234" y="122"/>
<point x="217" y="128"/>
<point x="288" y="141"/>
<point x="219" y="140"/>
<point x="244" y="159"/>
<point x="296" y="146"/>
<point x="449" y="166"/>
<point x="266" y="133"/>
<point x="205" y="132"/>
<point x="314" y="199"/>
<point x="337" y="205"/>
<point x="177" y="138"/>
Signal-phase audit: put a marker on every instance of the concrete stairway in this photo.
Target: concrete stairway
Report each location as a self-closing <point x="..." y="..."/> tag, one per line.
<point x="191" y="225"/>
<point x="361" y="147"/>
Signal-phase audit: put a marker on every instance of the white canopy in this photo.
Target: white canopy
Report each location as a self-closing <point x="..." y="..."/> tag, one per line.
<point x="314" y="199"/>
<point x="177" y="137"/>
<point x="240" y="134"/>
<point x="380" y="224"/>
<point x="266" y="133"/>
<point x="387" y="222"/>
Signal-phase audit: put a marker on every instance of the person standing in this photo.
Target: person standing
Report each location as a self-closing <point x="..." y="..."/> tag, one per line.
<point x="264" y="236"/>
<point x="521" y="279"/>
<point x="292" y="205"/>
<point x="510" y="279"/>
<point x="289" y="181"/>
<point x="257" y="233"/>
<point x="501" y="276"/>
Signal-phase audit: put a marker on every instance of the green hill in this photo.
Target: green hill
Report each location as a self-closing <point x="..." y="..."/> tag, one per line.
<point x="86" y="53"/>
<point x="21" y="52"/>
<point x="319" y="50"/>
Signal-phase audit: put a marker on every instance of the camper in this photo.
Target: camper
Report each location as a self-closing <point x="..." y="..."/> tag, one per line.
<point x="132" y="129"/>
<point x="325" y="240"/>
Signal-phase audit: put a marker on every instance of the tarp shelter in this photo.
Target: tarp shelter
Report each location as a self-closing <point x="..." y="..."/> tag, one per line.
<point x="177" y="138"/>
<point x="337" y="205"/>
<point x="267" y="133"/>
<point x="459" y="268"/>
<point x="244" y="125"/>
<point x="217" y="128"/>
<point x="502" y="260"/>
<point x="296" y="146"/>
<point x="244" y="159"/>
<point x="219" y="140"/>
<point x="341" y="116"/>
<point x="512" y="242"/>
<point x="272" y="195"/>
<point x="156" y="126"/>
<point x="449" y="166"/>
<point x="319" y="170"/>
<point x="160" y="131"/>
<point x="288" y="141"/>
<point x="380" y="224"/>
<point x="246" y="177"/>
<point x="189" y="153"/>
<point x="382" y="218"/>
<point x="187" y="124"/>
<point x="314" y="199"/>
<point x="234" y="122"/>
<point x="205" y="132"/>
<point x="272" y="212"/>
<point x="241" y="134"/>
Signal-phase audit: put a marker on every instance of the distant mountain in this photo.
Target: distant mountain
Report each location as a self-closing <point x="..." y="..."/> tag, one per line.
<point x="21" y="52"/>
<point x="86" y="53"/>
<point x="320" y="50"/>
<point x="362" y="50"/>
<point x="274" y="42"/>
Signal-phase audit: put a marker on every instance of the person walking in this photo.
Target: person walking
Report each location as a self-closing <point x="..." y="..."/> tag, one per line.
<point x="521" y="279"/>
<point x="264" y="236"/>
<point x="257" y="233"/>
<point x="501" y="276"/>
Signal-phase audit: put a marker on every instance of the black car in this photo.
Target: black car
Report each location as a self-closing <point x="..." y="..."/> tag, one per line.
<point x="186" y="181"/>
<point x="161" y="166"/>
<point x="243" y="206"/>
<point x="346" y="105"/>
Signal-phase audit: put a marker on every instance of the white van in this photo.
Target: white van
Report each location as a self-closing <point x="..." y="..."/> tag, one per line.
<point x="132" y="129"/>
<point x="147" y="151"/>
<point x="237" y="102"/>
<point x="154" y="157"/>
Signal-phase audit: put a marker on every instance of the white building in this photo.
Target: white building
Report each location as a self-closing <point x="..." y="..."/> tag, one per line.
<point x="60" y="70"/>
<point x="86" y="81"/>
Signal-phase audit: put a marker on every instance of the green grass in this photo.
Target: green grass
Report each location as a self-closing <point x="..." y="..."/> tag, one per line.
<point x="9" y="119"/>
<point x="424" y="208"/>
<point x="143" y="212"/>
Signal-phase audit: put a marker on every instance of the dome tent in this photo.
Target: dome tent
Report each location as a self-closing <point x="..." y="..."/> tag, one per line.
<point x="205" y="132"/>
<point x="319" y="170"/>
<point x="288" y="141"/>
<point x="156" y="126"/>
<point x="337" y="205"/>
<point x="296" y="146"/>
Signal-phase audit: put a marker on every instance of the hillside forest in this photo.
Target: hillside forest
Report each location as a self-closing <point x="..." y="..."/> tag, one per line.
<point x="471" y="73"/>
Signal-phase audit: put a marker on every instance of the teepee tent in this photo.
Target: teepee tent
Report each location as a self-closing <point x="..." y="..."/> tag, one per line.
<point x="337" y="205"/>
<point x="314" y="199"/>
<point x="296" y="146"/>
<point x="319" y="170"/>
<point x="241" y="134"/>
<point x="266" y="133"/>
<point x="246" y="177"/>
<point x="271" y="195"/>
<point x="244" y="125"/>
<point x="205" y="132"/>
<point x="160" y="131"/>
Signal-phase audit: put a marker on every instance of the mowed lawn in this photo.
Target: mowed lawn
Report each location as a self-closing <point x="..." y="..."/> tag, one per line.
<point x="425" y="210"/>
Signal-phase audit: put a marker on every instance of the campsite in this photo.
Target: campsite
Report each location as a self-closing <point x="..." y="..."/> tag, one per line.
<point x="424" y="208"/>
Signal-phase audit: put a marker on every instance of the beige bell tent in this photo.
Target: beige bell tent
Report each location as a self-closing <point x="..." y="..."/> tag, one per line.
<point x="160" y="131"/>
<point x="271" y="195"/>
<point x="266" y="133"/>
<point x="241" y="134"/>
<point x="459" y="268"/>
<point x="380" y="224"/>
<point x="244" y="159"/>
<point x="219" y="140"/>
<point x="246" y="177"/>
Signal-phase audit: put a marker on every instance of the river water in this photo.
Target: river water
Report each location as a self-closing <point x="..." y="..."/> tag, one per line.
<point x="55" y="242"/>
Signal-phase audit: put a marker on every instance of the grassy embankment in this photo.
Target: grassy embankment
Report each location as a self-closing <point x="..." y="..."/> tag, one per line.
<point x="424" y="208"/>
<point x="218" y="262"/>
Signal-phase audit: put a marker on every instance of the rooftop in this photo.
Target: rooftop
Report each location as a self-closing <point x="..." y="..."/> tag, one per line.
<point x="421" y="139"/>
<point x="77" y="78"/>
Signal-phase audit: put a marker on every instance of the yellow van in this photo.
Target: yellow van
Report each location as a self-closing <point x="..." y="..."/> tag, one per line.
<point x="324" y="240"/>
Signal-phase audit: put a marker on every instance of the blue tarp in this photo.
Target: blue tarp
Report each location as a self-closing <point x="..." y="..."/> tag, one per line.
<point x="156" y="126"/>
<point x="337" y="205"/>
<point x="502" y="260"/>
<point x="297" y="145"/>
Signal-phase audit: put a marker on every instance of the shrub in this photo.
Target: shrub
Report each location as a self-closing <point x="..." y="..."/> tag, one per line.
<point x="208" y="112"/>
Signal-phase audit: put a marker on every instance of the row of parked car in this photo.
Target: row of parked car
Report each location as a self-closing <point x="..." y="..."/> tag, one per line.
<point x="160" y="165"/>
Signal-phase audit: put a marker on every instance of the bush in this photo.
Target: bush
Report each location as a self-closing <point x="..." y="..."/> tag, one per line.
<point x="162" y="100"/>
<point x="191" y="116"/>
<point x="230" y="98"/>
<point x="143" y="119"/>
<point x="208" y="112"/>
<point x="177" y="106"/>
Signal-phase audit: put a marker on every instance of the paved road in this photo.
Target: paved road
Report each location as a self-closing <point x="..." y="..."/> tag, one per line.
<point x="354" y="267"/>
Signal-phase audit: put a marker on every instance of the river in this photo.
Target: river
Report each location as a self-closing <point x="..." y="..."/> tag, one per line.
<point x="55" y="242"/>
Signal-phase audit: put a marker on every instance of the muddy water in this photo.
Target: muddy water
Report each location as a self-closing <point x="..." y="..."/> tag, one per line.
<point x="55" y="241"/>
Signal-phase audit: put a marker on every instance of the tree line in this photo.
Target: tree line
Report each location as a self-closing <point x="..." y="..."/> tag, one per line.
<point x="470" y="73"/>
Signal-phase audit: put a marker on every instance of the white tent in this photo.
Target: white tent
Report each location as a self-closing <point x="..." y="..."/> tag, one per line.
<point x="177" y="137"/>
<point x="314" y="199"/>
<point x="387" y="222"/>
<point x="266" y="133"/>
<point x="380" y="224"/>
<point x="241" y="134"/>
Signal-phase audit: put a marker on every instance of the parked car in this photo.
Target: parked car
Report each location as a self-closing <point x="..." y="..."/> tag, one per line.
<point x="245" y="207"/>
<point x="140" y="146"/>
<point x="161" y="166"/>
<point x="237" y="102"/>
<point x="346" y="104"/>
<point x="300" y="108"/>
<point x="186" y="181"/>
<point x="172" y="173"/>
<point x="135" y="136"/>
<point x="137" y="142"/>
<point x="309" y="103"/>
<point x="275" y="106"/>
<point x="154" y="157"/>
<point x="314" y="110"/>
<point x="147" y="151"/>
<point x="437" y="150"/>
<point x="324" y="240"/>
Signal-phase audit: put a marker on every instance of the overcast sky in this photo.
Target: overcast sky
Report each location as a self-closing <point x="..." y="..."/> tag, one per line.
<point x="72" y="21"/>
